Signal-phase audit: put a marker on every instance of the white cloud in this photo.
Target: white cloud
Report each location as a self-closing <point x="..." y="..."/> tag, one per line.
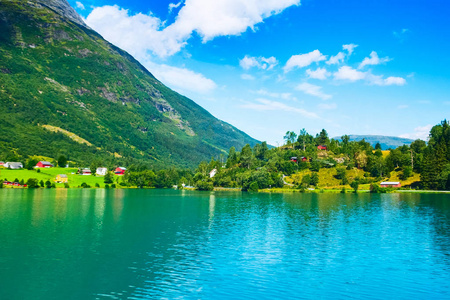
<point x="304" y="60"/>
<point x="80" y="5"/>
<point x="350" y="48"/>
<point x="312" y="90"/>
<point x="209" y="19"/>
<point x="420" y="132"/>
<point x="268" y="105"/>
<point x="283" y="96"/>
<point x="337" y="59"/>
<point x="348" y="73"/>
<point x="182" y="78"/>
<point x="264" y="63"/>
<point x="373" y="60"/>
<point x="327" y="105"/>
<point x="319" y="73"/>
<point x="247" y="77"/>
<point x="136" y="34"/>
<point x="172" y="6"/>
<point x="394" y="81"/>
<point x="403" y="106"/>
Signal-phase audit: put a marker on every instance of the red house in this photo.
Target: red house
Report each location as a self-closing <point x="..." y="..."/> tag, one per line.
<point x="294" y="159"/>
<point x="322" y="147"/>
<point x="120" y="171"/>
<point x="387" y="184"/>
<point x="303" y="158"/>
<point x="44" y="164"/>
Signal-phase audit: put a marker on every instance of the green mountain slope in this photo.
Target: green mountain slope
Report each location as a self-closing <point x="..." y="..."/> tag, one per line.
<point x="65" y="90"/>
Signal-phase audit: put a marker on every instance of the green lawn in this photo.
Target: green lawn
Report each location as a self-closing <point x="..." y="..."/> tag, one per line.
<point x="50" y="174"/>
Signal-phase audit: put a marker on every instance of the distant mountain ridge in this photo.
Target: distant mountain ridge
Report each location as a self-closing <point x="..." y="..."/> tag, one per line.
<point x="66" y="90"/>
<point x="386" y="142"/>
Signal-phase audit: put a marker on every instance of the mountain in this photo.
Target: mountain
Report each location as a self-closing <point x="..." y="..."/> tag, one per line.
<point x="386" y="142"/>
<point x="65" y="90"/>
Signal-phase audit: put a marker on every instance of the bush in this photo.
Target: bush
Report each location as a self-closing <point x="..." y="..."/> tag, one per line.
<point x="84" y="185"/>
<point x="113" y="186"/>
<point x="48" y="184"/>
<point x="66" y="185"/>
<point x="97" y="185"/>
<point x="343" y="190"/>
<point x="253" y="187"/>
<point x="203" y="185"/>
<point x="106" y="186"/>
<point x="32" y="183"/>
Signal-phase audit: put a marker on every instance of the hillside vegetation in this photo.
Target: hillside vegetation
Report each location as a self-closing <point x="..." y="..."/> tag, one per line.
<point x="64" y="90"/>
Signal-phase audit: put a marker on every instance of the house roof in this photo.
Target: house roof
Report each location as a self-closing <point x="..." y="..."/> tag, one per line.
<point x="390" y="182"/>
<point x="14" y="163"/>
<point x="62" y="175"/>
<point x="45" y="163"/>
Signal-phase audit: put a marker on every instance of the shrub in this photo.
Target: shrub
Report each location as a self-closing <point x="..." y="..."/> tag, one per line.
<point x="32" y="183"/>
<point x="203" y="185"/>
<point x="253" y="187"/>
<point x="66" y="185"/>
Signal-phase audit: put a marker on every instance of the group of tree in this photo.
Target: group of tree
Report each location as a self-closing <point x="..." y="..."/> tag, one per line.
<point x="263" y="166"/>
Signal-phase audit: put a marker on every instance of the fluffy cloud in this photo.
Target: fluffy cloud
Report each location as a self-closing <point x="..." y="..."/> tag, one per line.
<point x="420" y="132"/>
<point x="350" y="48"/>
<point x="350" y="74"/>
<point x="80" y="5"/>
<point x="304" y="60"/>
<point x="337" y="59"/>
<point x="268" y="105"/>
<point x="319" y="73"/>
<point x="181" y="78"/>
<point x="394" y="81"/>
<point x="312" y="90"/>
<point x="136" y="34"/>
<point x="209" y="19"/>
<point x="172" y="6"/>
<point x="259" y="62"/>
<point x="373" y="60"/>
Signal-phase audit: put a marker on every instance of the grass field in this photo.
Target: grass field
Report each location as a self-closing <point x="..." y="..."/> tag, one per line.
<point x="45" y="174"/>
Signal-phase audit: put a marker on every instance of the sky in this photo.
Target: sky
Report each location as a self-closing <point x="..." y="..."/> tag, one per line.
<point x="270" y="66"/>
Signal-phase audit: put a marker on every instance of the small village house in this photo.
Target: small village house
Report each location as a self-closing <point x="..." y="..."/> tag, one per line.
<point x="44" y="164"/>
<point x="120" y="171"/>
<point x="303" y="158"/>
<point x="101" y="171"/>
<point x="388" y="184"/>
<point x="294" y="159"/>
<point x="2" y="163"/>
<point x="212" y="173"/>
<point x="86" y="171"/>
<point x="62" y="178"/>
<point x="322" y="147"/>
<point x="14" y="165"/>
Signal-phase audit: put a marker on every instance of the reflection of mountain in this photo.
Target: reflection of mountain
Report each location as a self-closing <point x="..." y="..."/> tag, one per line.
<point x="65" y="90"/>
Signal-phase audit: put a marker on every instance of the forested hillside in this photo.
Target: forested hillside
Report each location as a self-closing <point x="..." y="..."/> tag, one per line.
<point x="64" y="90"/>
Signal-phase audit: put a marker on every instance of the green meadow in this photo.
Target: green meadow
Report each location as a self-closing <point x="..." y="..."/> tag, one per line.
<point x="45" y="174"/>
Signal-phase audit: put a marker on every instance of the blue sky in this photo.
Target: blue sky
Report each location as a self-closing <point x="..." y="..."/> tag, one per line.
<point x="269" y="66"/>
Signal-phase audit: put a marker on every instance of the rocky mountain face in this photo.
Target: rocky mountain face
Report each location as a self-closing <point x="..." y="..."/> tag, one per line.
<point x="65" y="90"/>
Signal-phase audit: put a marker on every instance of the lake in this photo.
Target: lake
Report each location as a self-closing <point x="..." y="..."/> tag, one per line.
<point x="166" y="244"/>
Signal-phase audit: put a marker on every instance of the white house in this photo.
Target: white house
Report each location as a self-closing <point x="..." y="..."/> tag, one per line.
<point x="101" y="171"/>
<point x="14" y="165"/>
<point x="212" y="173"/>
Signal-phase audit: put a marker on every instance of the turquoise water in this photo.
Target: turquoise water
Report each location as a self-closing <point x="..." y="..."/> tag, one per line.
<point x="136" y="244"/>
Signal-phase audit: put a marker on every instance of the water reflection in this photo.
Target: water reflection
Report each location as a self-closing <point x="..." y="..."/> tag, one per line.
<point x="97" y="243"/>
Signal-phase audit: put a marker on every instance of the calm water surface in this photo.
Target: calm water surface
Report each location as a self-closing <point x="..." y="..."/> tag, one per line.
<point x="137" y="244"/>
